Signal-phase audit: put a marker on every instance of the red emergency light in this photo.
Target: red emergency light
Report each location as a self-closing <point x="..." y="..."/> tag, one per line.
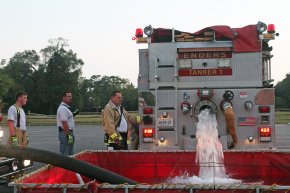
<point x="1" y="117"/>
<point x="139" y="33"/>
<point x="271" y="28"/>
<point x="265" y="131"/>
<point x="264" y="109"/>
<point x="148" y="110"/>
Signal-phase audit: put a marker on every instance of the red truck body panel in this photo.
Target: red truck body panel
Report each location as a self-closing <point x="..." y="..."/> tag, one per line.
<point x="255" y="169"/>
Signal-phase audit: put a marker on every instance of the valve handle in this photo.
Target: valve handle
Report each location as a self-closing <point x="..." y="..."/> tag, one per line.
<point x="229" y="95"/>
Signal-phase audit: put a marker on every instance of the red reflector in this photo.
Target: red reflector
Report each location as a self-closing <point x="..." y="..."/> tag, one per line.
<point x="264" y="109"/>
<point x="265" y="131"/>
<point x="148" y="110"/>
<point x="1" y="117"/>
<point x="271" y="28"/>
<point x="198" y="93"/>
<point x="148" y="132"/>
<point x="139" y="33"/>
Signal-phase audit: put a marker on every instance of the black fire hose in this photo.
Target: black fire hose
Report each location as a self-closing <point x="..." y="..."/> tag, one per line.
<point x="78" y="166"/>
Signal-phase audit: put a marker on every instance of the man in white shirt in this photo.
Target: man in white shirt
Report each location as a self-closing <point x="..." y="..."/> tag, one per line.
<point x="66" y="125"/>
<point x="16" y="121"/>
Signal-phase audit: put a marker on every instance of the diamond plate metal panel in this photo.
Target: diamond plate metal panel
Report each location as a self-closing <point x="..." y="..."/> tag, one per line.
<point x="166" y="74"/>
<point x="190" y="143"/>
<point x="147" y="146"/>
<point x="187" y="124"/>
<point x="160" y="55"/>
<point x="245" y="82"/>
<point x="169" y="138"/>
<point x="166" y="98"/>
<point x="246" y="67"/>
<point x="246" y="72"/>
<point x="143" y="76"/>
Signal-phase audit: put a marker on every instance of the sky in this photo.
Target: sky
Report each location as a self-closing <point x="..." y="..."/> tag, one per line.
<point x="101" y="32"/>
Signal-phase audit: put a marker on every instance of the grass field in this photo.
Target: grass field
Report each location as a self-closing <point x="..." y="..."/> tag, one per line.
<point x="281" y="117"/>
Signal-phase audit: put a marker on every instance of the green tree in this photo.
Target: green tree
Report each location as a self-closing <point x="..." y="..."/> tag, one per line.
<point x="22" y="69"/>
<point x="130" y="95"/>
<point x="282" y="93"/>
<point x="6" y="83"/>
<point x="96" y="92"/>
<point x="45" y="80"/>
<point x="62" y="73"/>
<point x="57" y="70"/>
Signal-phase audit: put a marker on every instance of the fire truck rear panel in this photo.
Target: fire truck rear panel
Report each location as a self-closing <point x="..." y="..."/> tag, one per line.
<point x="187" y="77"/>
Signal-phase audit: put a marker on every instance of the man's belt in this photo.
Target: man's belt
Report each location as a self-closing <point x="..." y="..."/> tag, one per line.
<point x="60" y="129"/>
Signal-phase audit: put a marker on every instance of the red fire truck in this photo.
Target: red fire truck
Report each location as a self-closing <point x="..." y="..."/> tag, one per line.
<point x="224" y="69"/>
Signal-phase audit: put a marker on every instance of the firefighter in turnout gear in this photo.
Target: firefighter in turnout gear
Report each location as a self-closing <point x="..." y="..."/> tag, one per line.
<point x="116" y="123"/>
<point x="16" y="121"/>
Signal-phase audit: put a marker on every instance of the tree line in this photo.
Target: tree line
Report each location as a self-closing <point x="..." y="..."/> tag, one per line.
<point x="282" y="93"/>
<point x="56" y="69"/>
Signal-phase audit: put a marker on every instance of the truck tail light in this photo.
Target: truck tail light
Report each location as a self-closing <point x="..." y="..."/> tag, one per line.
<point x="265" y="133"/>
<point x="139" y="33"/>
<point x="148" y="135"/>
<point x="148" y="110"/>
<point x="264" y="109"/>
<point x="271" y="28"/>
<point x="148" y="132"/>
